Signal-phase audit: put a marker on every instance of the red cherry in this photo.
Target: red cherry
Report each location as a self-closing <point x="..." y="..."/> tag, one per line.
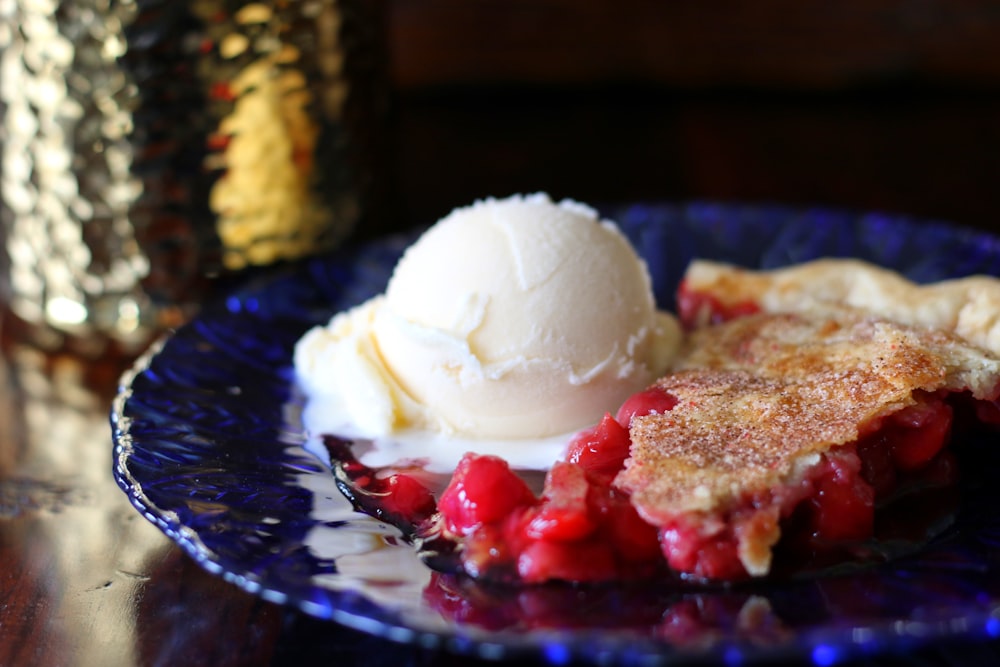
<point x="587" y="560"/>
<point x="916" y="434"/>
<point x="601" y="450"/>
<point x="651" y="401"/>
<point x="843" y="506"/>
<point x="483" y="489"/>
<point x="407" y="497"/>
<point x="563" y="514"/>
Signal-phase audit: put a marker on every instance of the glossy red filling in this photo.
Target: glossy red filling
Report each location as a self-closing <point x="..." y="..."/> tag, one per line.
<point x="583" y="529"/>
<point x="579" y="529"/>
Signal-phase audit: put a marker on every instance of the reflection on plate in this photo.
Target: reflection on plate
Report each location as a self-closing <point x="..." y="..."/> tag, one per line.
<point x="210" y="447"/>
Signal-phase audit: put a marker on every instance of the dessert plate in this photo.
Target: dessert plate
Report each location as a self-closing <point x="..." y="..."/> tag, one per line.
<point x="208" y="445"/>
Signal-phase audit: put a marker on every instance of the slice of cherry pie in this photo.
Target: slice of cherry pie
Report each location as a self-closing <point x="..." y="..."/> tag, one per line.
<point x="782" y="419"/>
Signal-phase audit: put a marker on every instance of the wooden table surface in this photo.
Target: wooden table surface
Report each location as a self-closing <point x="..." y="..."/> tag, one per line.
<point x="86" y="580"/>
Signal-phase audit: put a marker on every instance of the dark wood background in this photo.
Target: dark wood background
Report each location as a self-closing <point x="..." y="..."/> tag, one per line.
<point x="888" y="104"/>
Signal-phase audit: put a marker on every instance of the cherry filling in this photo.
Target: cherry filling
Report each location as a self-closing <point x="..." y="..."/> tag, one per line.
<point x="579" y="529"/>
<point x="583" y="529"/>
<point x="488" y="522"/>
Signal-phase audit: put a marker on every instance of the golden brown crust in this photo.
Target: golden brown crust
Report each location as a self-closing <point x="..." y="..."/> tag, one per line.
<point x="761" y="397"/>
<point x="968" y="307"/>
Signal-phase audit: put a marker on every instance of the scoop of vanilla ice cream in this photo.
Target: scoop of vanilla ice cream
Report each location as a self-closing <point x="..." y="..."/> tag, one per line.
<point x="512" y="318"/>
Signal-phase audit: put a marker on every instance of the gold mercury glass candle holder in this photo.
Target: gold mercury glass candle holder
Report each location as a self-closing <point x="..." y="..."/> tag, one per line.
<point x="151" y="146"/>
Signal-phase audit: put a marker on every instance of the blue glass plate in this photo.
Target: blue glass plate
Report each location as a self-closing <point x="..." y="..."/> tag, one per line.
<point x="209" y="446"/>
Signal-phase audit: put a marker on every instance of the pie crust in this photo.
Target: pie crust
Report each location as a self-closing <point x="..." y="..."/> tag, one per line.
<point x="968" y="307"/>
<point x="762" y="398"/>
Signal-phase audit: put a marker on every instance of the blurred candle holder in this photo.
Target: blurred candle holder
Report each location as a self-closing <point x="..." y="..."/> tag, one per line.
<point x="150" y="147"/>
